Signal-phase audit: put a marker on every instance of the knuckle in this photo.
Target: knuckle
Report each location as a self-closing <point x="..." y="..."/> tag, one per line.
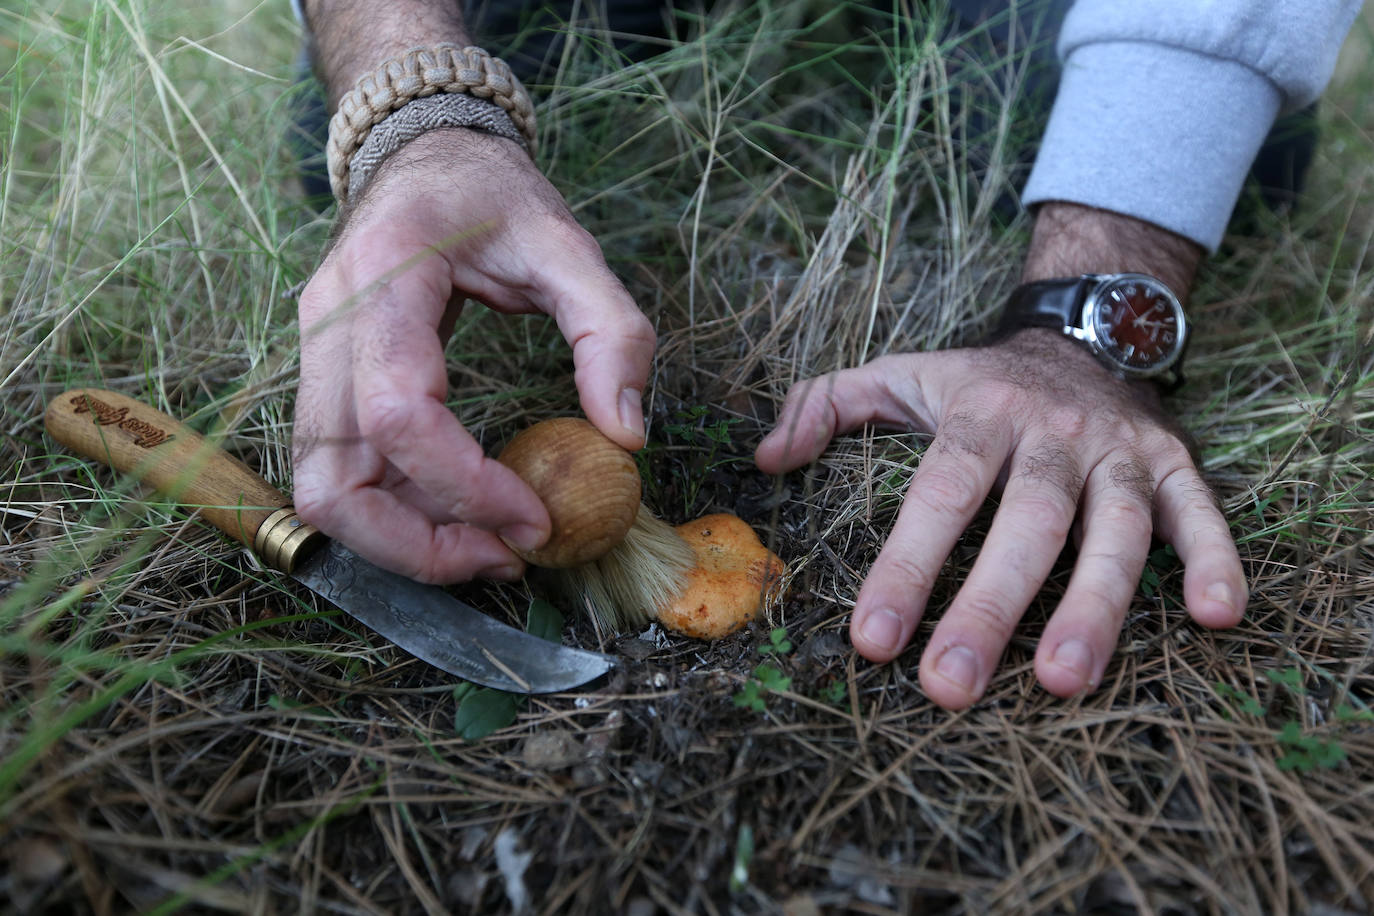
<point x="305" y="439"/>
<point x="906" y="570"/>
<point x="436" y="562"/>
<point x="1129" y="516"/>
<point x="1123" y="570"/>
<point x="1186" y="478"/>
<point x="966" y="432"/>
<point x="385" y="420"/>
<point x="945" y="492"/>
<point x="1133" y="476"/>
<point x="638" y="329"/>
<point x="896" y="383"/>
<point x="463" y="503"/>
<point x="314" y="500"/>
<point x="987" y="611"/>
<point x="476" y="493"/>
<point x="564" y="230"/>
<point x="1173" y="453"/>
<point x="624" y="332"/>
<point x="1043" y="515"/>
<point x="419" y="562"/>
<point x="426" y="569"/>
<point x="1051" y="462"/>
<point x="1068" y="421"/>
<point x="807" y="390"/>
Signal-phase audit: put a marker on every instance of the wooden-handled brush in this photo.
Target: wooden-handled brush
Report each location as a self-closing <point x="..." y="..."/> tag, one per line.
<point x="609" y="552"/>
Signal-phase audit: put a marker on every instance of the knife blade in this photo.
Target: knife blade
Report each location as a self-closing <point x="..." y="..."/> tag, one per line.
<point x="424" y="620"/>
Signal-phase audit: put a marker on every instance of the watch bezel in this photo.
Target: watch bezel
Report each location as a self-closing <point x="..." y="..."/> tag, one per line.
<point x="1088" y="325"/>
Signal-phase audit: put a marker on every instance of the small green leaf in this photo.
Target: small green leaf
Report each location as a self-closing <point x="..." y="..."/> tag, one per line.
<point x="1295" y="760"/>
<point x="1247" y="703"/>
<point x="1347" y="713"/>
<point x="1291" y="733"/>
<point x="778" y="642"/>
<point x="719" y="432"/>
<point x="772" y="678"/>
<point x="1310" y="743"/>
<point x="1329" y="755"/>
<point x="1288" y="677"/>
<point x="836" y="692"/>
<point x="544" y="621"/>
<point x="750" y="697"/>
<point x="1165" y="557"/>
<point x="484" y="711"/>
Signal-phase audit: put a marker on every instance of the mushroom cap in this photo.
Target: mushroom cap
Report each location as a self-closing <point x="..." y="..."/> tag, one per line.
<point x="726" y="589"/>
<point x="589" y="485"/>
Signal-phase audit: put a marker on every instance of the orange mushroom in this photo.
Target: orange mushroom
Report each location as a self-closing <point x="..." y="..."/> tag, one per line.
<point x="726" y="588"/>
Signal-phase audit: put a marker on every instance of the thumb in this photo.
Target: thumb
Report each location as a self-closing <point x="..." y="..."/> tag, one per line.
<point x="612" y="342"/>
<point x="885" y="391"/>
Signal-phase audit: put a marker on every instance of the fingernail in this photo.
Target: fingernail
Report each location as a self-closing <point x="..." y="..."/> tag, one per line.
<point x="1074" y="655"/>
<point x="959" y="667"/>
<point x="882" y="629"/>
<point x="522" y="537"/>
<point x="1220" y="592"/>
<point x="632" y="412"/>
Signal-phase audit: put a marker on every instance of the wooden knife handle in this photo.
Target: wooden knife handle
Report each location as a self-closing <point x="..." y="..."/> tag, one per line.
<point x="134" y="438"/>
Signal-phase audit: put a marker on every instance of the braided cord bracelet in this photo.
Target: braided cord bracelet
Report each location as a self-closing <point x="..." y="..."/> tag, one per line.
<point x="420" y="116"/>
<point x="422" y="72"/>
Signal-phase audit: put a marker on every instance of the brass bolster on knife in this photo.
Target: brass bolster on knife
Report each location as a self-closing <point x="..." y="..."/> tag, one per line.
<point x="284" y="540"/>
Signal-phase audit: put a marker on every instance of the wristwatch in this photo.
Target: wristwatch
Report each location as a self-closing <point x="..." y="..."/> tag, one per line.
<point x="1132" y="323"/>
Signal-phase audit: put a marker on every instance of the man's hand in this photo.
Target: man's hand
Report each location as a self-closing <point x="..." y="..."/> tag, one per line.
<point x="1068" y="443"/>
<point x="1073" y="448"/>
<point x="381" y="462"/>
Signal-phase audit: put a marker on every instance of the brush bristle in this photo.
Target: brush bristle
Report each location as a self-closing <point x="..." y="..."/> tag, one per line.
<point x="643" y="573"/>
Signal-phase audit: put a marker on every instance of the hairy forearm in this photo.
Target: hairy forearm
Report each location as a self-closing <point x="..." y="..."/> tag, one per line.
<point x="353" y="36"/>
<point x="1070" y="239"/>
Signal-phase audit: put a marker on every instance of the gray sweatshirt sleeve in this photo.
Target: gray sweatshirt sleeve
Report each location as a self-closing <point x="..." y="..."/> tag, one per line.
<point x="1163" y="105"/>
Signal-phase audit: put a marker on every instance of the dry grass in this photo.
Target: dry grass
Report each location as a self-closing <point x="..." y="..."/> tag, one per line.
<point x="180" y="729"/>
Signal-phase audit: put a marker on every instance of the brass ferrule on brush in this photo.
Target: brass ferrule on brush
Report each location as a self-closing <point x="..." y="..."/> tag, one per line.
<point x="283" y="540"/>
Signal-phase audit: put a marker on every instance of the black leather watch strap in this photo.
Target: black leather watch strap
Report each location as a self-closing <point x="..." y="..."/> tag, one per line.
<point x="1046" y="304"/>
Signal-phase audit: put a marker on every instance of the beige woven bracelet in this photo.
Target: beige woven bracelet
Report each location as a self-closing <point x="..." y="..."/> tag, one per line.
<point x="418" y="73"/>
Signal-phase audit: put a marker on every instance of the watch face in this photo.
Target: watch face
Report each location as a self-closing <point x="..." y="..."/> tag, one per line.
<point x="1137" y="323"/>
